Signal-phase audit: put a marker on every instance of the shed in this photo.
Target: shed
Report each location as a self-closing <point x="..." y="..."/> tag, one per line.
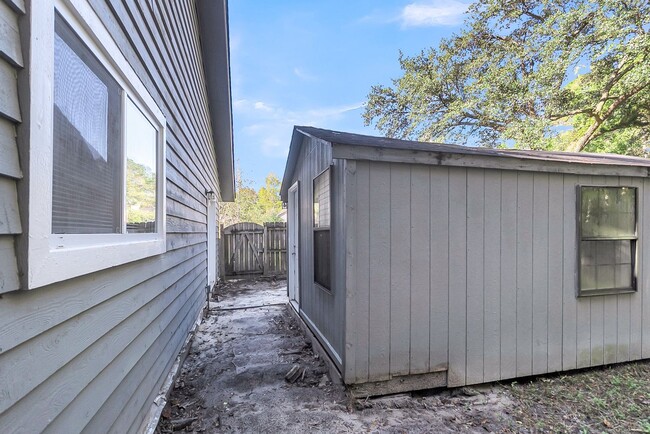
<point x="421" y="265"/>
<point x="115" y="146"/>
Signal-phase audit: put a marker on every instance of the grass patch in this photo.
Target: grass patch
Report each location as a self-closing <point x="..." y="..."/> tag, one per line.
<point x="612" y="399"/>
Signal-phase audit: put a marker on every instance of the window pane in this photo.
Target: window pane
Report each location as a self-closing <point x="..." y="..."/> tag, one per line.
<point x="141" y="137"/>
<point x="322" y="258"/>
<point x="608" y="212"/>
<point x="606" y="264"/>
<point x="322" y="200"/>
<point x="86" y="143"/>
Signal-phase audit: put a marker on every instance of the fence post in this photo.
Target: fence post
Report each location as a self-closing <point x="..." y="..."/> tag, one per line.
<point x="264" y="252"/>
<point x="222" y="253"/>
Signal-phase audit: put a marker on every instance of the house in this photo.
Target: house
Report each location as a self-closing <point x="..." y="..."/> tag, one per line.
<point x="115" y="145"/>
<point x="421" y="265"/>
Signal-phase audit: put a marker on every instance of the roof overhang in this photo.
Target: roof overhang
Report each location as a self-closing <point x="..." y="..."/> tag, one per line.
<point x="213" y="33"/>
<point x="349" y="146"/>
<point x="292" y="160"/>
<point x="501" y="161"/>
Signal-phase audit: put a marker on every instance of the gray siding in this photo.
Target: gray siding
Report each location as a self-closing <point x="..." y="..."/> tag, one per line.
<point x="90" y="354"/>
<point x="474" y="270"/>
<point x="11" y="61"/>
<point x="322" y="310"/>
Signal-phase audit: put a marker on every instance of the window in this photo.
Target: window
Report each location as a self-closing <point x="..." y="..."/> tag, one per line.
<point x="607" y="226"/>
<point x="322" y="229"/>
<point x="97" y="150"/>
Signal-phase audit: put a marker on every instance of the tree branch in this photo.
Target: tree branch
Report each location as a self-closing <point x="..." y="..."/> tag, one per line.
<point x="580" y="144"/>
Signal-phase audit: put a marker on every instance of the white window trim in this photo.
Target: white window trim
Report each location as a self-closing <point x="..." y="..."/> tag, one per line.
<point x="54" y="257"/>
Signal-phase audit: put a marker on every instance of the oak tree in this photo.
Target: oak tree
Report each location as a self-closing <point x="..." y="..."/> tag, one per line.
<point x="552" y="74"/>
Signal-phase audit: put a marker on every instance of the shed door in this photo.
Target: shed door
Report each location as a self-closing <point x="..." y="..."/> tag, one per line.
<point x="294" y="246"/>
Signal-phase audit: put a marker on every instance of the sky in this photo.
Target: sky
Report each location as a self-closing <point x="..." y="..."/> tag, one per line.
<point x="305" y="62"/>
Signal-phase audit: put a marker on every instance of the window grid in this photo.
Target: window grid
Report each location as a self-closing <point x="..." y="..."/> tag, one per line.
<point x="608" y="237"/>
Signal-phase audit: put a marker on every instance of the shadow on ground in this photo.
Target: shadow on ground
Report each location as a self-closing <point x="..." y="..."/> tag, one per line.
<point x="234" y="381"/>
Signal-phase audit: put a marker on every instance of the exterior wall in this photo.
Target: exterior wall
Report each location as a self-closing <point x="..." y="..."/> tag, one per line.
<point x="11" y="61"/>
<point x="474" y="270"/>
<point x="323" y="311"/>
<point x="91" y="353"/>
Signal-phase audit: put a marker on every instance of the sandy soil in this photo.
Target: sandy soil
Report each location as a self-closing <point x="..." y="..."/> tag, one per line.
<point x="234" y="381"/>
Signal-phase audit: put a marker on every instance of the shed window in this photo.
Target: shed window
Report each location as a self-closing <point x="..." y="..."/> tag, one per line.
<point x="608" y="240"/>
<point x="322" y="229"/>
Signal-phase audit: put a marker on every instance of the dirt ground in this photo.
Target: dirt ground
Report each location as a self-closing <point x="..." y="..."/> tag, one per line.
<point x="233" y="380"/>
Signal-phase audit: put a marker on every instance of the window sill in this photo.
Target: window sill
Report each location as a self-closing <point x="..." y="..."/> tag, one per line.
<point x="322" y="288"/>
<point x="84" y="254"/>
<point x="610" y="291"/>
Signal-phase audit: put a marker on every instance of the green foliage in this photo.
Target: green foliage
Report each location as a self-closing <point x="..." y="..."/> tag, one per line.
<point x="140" y="193"/>
<point x="551" y="74"/>
<point x="253" y="206"/>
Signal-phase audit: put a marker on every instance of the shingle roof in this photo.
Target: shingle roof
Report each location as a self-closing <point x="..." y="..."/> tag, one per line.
<point x="359" y="146"/>
<point x="385" y="142"/>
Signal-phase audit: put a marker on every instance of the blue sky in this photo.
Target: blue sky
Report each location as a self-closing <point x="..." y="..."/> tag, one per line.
<point x="313" y="63"/>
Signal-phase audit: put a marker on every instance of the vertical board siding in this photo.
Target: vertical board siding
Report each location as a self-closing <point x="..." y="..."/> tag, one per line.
<point x="475" y="267"/>
<point x="540" y="272"/>
<point x="556" y="217"/>
<point x="457" y="277"/>
<point x="644" y="278"/>
<point x="420" y="269"/>
<point x="439" y="278"/>
<point x="323" y="309"/>
<point x="508" y="365"/>
<point x="379" y="251"/>
<point x="524" y="267"/>
<point x="400" y="270"/>
<point x="98" y="347"/>
<point x="361" y="315"/>
<point x="492" y="276"/>
<point x="480" y="266"/>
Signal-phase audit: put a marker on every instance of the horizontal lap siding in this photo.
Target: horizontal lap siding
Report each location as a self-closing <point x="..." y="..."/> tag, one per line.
<point x="323" y="310"/>
<point x="11" y="61"/>
<point x="500" y="291"/>
<point x="97" y="348"/>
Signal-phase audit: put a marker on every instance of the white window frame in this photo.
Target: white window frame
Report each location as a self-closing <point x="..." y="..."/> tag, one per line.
<point x="56" y="257"/>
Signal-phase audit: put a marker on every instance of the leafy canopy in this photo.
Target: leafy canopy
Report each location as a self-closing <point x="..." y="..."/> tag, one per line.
<point x="250" y="205"/>
<point x="551" y="74"/>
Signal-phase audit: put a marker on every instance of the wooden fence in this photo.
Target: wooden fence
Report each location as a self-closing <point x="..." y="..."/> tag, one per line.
<point x="250" y="249"/>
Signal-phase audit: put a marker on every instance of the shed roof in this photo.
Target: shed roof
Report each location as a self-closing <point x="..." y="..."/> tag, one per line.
<point x="362" y="147"/>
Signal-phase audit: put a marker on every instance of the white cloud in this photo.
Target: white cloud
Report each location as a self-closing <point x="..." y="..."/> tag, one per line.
<point x="425" y="13"/>
<point x="303" y="75"/>
<point x="259" y="105"/>
<point x="432" y="13"/>
<point x="270" y="127"/>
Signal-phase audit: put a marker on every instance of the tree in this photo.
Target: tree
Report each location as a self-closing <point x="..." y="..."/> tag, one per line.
<point x="551" y="74"/>
<point x="269" y="200"/>
<point x="250" y="205"/>
<point x="140" y="193"/>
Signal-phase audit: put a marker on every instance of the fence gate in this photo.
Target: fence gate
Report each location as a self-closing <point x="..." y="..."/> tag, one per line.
<point x="253" y="249"/>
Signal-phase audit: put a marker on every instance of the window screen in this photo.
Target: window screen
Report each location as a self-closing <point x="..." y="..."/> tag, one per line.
<point x="607" y="239"/>
<point x="322" y="229"/>
<point x="86" y="184"/>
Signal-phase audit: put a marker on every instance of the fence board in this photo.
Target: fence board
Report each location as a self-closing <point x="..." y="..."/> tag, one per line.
<point x="251" y="249"/>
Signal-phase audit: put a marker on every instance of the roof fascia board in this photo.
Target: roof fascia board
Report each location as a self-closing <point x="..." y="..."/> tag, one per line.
<point x="213" y="32"/>
<point x="437" y="158"/>
<point x="292" y="160"/>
